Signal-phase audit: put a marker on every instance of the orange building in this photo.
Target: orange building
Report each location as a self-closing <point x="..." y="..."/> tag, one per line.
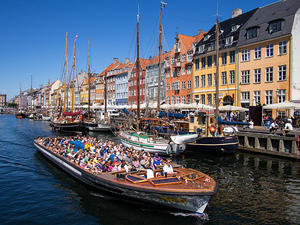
<point x="178" y="69"/>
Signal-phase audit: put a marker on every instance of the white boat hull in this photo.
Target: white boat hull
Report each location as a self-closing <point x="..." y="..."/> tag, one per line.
<point x="184" y="138"/>
<point x="150" y="145"/>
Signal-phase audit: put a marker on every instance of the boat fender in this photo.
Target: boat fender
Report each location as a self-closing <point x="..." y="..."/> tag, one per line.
<point x="212" y="128"/>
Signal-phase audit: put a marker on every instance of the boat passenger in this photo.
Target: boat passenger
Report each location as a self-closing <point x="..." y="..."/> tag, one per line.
<point x="149" y="173"/>
<point x="156" y="160"/>
<point x="168" y="169"/>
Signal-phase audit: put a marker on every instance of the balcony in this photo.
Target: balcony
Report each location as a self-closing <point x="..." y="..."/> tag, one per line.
<point x="177" y="49"/>
<point x="167" y="65"/>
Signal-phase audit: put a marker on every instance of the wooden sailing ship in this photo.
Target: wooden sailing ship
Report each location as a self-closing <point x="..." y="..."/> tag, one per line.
<point x="67" y="121"/>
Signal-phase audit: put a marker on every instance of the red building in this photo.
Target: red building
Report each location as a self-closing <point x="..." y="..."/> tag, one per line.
<point x="132" y="83"/>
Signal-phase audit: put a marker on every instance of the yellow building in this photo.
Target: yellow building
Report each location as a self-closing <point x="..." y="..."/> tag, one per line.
<point x="267" y="51"/>
<point x="204" y="68"/>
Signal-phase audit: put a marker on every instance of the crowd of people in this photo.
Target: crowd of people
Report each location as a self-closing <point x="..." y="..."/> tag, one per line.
<point x="100" y="156"/>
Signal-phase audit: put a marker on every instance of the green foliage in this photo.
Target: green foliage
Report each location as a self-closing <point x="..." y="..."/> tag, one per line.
<point x="12" y="105"/>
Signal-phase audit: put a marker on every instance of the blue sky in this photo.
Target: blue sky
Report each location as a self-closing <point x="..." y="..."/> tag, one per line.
<point x="32" y="40"/>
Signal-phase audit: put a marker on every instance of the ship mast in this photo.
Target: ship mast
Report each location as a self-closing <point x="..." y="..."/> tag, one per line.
<point x="89" y="82"/>
<point x="73" y="73"/>
<point x="65" y="83"/>
<point x="162" y="4"/>
<point x="138" y="69"/>
<point x="217" y="74"/>
<point x="31" y="92"/>
<point x="105" y="94"/>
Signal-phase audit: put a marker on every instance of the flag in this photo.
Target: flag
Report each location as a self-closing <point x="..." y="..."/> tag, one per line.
<point x="76" y="37"/>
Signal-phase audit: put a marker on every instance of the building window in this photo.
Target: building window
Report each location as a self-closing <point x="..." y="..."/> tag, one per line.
<point x="209" y="99"/>
<point x="183" y="70"/>
<point x="202" y="80"/>
<point x="172" y="60"/>
<point x="183" y="99"/>
<point x="245" y="77"/>
<point x="173" y="72"/>
<point x="282" y="73"/>
<point x="252" y="32"/>
<point x="203" y="62"/>
<point x="231" y="76"/>
<point x="256" y="96"/>
<point x="269" y="97"/>
<point x="209" y="61"/>
<point x="257" y="75"/>
<point x="189" y="70"/>
<point x="269" y="74"/>
<point x="275" y="26"/>
<point x="178" y="99"/>
<point x="282" y="48"/>
<point x="197" y="82"/>
<point x="196" y="64"/>
<point x="257" y="53"/>
<point x="168" y="87"/>
<point x="228" y="41"/>
<point x="224" y="78"/>
<point x="188" y="99"/>
<point x="245" y="97"/>
<point x="269" y="50"/>
<point x="183" y="85"/>
<point x="173" y="100"/>
<point x="245" y="55"/>
<point x="183" y="57"/>
<point x="224" y="58"/>
<point x="168" y="100"/>
<point x="203" y="99"/>
<point x="281" y="94"/>
<point x="178" y="72"/>
<point x="232" y="57"/>
<point x="209" y="80"/>
<point x="189" y="84"/>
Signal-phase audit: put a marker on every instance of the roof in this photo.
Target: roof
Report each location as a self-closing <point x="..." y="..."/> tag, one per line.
<point x="154" y="60"/>
<point x="284" y="10"/>
<point x="188" y="41"/>
<point x="110" y="67"/>
<point x="225" y="31"/>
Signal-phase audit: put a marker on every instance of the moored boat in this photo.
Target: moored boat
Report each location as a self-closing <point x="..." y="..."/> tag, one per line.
<point x="188" y="190"/>
<point x="20" y="115"/>
<point x="142" y="141"/>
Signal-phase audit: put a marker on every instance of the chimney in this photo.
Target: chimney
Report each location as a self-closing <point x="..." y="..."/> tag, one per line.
<point x="236" y="12"/>
<point x="200" y="31"/>
<point x="116" y="60"/>
<point x="127" y="60"/>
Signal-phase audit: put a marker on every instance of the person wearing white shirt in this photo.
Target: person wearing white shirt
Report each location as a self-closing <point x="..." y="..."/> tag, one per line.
<point x="168" y="169"/>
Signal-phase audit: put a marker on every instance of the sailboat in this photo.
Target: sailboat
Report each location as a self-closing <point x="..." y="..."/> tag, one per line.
<point x="20" y="114"/>
<point x="216" y="142"/>
<point x="67" y="121"/>
<point x="140" y="140"/>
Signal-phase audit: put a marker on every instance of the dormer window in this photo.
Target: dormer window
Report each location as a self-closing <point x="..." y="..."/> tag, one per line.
<point x="206" y="37"/>
<point x="201" y="48"/>
<point x="275" y="26"/>
<point x="229" y="41"/>
<point x="252" y="32"/>
<point x="234" y="28"/>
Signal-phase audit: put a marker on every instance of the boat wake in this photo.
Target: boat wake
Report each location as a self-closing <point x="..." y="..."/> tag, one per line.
<point x="202" y="216"/>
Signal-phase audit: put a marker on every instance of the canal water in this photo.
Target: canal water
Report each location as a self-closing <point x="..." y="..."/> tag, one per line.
<point x="253" y="189"/>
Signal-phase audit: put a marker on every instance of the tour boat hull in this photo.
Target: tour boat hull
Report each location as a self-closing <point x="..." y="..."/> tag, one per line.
<point x="191" y="201"/>
<point x="222" y="144"/>
<point x="139" y="142"/>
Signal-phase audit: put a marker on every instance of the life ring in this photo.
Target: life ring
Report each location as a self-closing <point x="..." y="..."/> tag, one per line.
<point x="212" y="128"/>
